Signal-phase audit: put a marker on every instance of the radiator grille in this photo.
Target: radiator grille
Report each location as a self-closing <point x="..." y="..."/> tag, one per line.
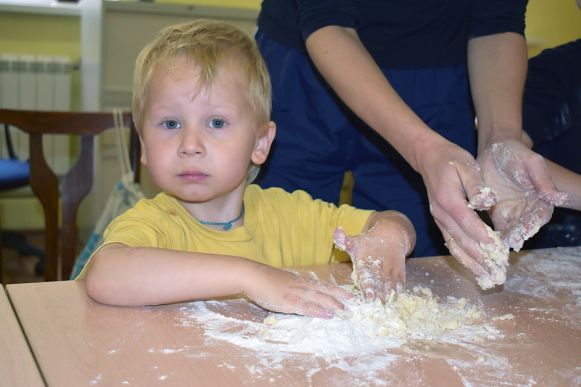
<point x="36" y="82"/>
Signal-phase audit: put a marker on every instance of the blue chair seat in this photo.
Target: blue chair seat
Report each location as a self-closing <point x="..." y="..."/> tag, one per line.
<point x="13" y="174"/>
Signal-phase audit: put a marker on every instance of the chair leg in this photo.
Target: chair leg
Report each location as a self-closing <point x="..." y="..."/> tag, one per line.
<point x="1" y="261"/>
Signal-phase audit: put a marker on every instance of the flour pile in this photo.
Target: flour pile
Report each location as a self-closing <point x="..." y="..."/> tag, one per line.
<point x="370" y="328"/>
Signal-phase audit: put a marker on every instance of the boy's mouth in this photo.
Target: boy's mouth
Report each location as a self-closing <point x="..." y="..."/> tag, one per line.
<point x="193" y="176"/>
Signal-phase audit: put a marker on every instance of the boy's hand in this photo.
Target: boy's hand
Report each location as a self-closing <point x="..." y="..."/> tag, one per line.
<point x="378" y="257"/>
<point x="282" y="291"/>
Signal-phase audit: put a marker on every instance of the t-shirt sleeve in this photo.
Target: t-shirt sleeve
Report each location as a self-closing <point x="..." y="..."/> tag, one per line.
<point x="496" y="16"/>
<point x="318" y="221"/>
<point x="134" y="228"/>
<point x="133" y="231"/>
<point x="316" y="14"/>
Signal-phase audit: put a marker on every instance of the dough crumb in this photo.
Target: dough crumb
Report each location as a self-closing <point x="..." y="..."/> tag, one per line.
<point x="270" y="320"/>
<point x="485" y="199"/>
<point x="508" y="316"/>
<point x="496" y="259"/>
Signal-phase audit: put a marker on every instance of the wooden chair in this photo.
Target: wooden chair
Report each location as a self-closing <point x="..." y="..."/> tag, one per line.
<point x="61" y="197"/>
<point x="14" y="174"/>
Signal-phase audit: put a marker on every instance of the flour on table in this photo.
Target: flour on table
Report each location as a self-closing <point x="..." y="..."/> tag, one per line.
<point x="551" y="274"/>
<point x="508" y="316"/>
<point x="374" y="326"/>
<point x="371" y="327"/>
<point x="361" y="346"/>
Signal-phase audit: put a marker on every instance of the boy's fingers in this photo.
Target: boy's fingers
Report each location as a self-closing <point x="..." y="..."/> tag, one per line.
<point x="369" y="294"/>
<point x="380" y="292"/>
<point x="313" y="309"/>
<point x="368" y="289"/>
<point x="338" y="292"/>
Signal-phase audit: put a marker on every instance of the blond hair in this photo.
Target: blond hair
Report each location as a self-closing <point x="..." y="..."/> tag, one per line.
<point x="209" y="44"/>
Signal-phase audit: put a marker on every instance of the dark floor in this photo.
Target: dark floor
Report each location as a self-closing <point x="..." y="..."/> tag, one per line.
<point x="20" y="268"/>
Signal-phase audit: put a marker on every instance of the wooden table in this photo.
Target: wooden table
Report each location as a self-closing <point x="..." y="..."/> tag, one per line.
<point x="17" y="366"/>
<point x="79" y="342"/>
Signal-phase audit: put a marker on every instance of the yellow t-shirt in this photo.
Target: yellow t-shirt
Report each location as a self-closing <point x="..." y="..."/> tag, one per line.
<point x="280" y="228"/>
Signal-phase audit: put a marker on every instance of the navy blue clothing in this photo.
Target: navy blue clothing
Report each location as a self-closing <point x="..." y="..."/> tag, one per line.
<point x="421" y="50"/>
<point x="397" y="33"/>
<point x="552" y="118"/>
<point x="552" y="104"/>
<point x="318" y="138"/>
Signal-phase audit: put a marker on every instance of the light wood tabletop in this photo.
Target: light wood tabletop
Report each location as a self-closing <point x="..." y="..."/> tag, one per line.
<point x="533" y="324"/>
<point x="17" y="366"/>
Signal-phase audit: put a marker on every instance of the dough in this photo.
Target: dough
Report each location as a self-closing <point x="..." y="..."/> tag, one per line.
<point x="411" y="314"/>
<point x="496" y="259"/>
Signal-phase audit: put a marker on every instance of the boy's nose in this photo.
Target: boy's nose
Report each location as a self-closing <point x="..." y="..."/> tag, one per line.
<point x="191" y="144"/>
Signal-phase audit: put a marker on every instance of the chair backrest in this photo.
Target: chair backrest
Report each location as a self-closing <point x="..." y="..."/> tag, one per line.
<point x="60" y="248"/>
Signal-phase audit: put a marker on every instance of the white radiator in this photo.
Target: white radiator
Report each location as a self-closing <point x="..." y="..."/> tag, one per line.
<point x="36" y="82"/>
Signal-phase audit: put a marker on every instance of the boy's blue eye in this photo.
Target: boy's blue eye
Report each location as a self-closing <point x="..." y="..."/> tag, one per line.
<point x="171" y="124"/>
<point x="217" y="123"/>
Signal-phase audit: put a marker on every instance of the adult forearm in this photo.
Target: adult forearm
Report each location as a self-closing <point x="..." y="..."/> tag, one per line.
<point x="353" y="74"/>
<point x="497" y="67"/>
<point x="122" y="275"/>
<point x="566" y="181"/>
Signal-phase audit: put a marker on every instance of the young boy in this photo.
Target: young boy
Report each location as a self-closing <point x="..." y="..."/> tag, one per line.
<point x="201" y="104"/>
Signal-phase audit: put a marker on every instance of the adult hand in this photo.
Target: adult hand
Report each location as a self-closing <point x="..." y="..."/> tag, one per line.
<point x="282" y="291"/>
<point x="456" y="186"/>
<point x="378" y="257"/>
<point x="525" y="191"/>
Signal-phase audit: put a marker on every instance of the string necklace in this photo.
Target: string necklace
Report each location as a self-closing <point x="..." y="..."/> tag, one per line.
<point x="225" y="225"/>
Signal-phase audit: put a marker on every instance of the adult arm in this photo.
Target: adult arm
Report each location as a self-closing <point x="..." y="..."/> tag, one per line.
<point x="450" y="173"/>
<point x="569" y="182"/>
<point x="497" y="65"/>
<point x="525" y="191"/>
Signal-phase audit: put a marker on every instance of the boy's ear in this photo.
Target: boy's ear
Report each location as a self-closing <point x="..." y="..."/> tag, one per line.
<point x="263" y="143"/>
<point x="143" y="157"/>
